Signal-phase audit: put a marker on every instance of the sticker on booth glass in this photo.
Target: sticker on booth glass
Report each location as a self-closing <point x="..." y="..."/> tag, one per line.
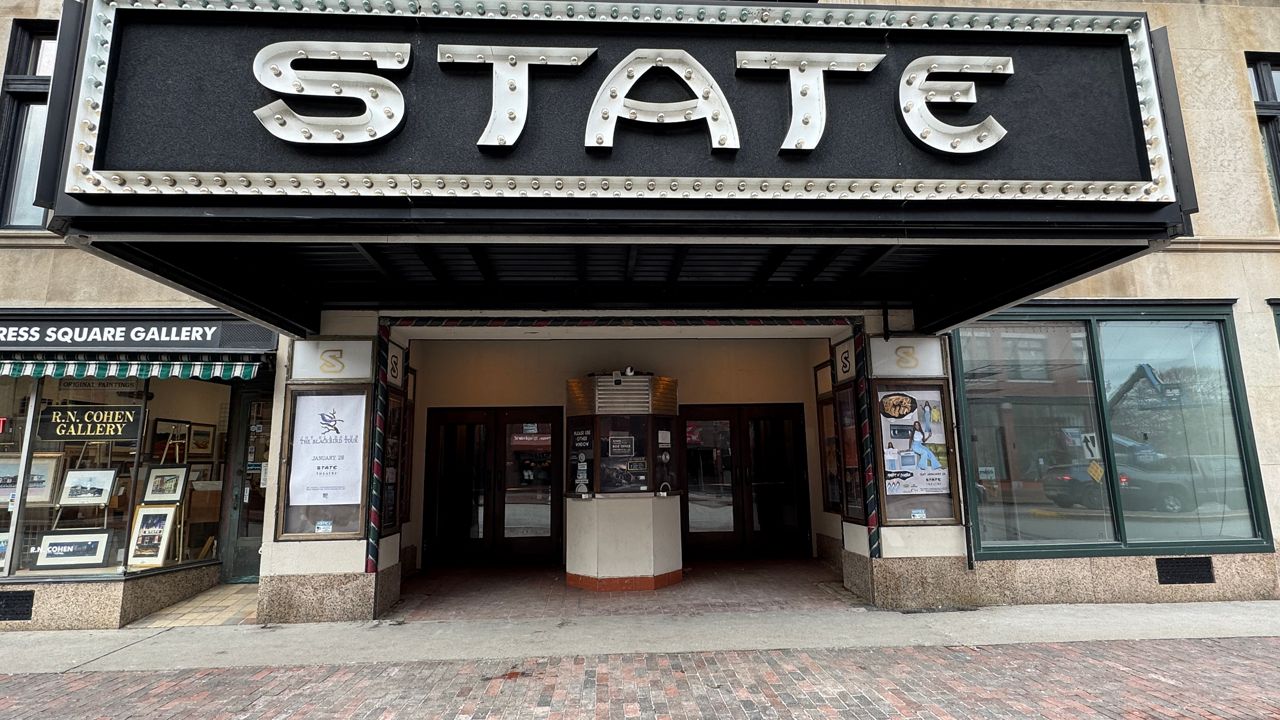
<point x="919" y="514"/>
<point x="324" y="526"/>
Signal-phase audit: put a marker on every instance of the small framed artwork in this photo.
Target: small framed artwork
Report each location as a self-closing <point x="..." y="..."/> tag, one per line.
<point x="202" y="478"/>
<point x="71" y="549"/>
<point x="43" y="477"/>
<point x="200" y="444"/>
<point x="152" y="526"/>
<point x="169" y="440"/>
<point x="88" y="487"/>
<point x="165" y="483"/>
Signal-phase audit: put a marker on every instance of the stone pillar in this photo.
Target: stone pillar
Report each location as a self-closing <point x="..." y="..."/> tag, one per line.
<point x="324" y="580"/>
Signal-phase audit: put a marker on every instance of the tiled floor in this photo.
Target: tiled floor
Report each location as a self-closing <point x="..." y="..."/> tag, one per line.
<point x="499" y="593"/>
<point x="219" y="605"/>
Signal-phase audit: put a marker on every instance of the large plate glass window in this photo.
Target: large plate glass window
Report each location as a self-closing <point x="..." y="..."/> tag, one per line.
<point x="84" y="480"/>
<point x="25" y="105"/>
<point x="1033" y="445"/>
<point x="1173" y="429"/>
<point x="1130" y="431"/>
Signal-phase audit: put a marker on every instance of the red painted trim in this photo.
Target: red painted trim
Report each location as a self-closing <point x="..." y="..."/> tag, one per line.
<point x="622" y="584"/>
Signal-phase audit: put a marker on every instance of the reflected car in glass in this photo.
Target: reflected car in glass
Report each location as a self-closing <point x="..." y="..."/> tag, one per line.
<point x="1167" y="484"/>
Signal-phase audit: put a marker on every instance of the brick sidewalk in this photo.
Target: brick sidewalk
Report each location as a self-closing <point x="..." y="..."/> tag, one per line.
<point x="1228" y="678"/>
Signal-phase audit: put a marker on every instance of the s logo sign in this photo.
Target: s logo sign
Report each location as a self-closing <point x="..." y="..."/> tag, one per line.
<point x="331" y="361"/>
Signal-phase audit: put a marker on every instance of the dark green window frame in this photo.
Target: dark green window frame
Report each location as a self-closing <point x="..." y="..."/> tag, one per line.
<point x="1264" y="77"/>
<point x="1091" y="314"/>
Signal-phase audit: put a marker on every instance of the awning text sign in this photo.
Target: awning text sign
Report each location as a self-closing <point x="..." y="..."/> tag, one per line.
<point x="114" y="423"/>
<point x="551" y="101"/>
<point x="122" y="334"/>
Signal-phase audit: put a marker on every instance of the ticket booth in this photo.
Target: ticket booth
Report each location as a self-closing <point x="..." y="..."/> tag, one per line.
<point x="622" y="514"/>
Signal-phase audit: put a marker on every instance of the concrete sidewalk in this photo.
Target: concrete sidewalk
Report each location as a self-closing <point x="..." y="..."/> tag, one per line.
<point x="392" y="642"/>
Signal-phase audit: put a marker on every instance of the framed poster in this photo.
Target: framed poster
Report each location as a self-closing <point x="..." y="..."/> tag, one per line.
<point x="169" y="440"/>
<point x="917" y="462"/>
<point x="165" y="483"/>
<point x="40" y="479"/>
<point x="88" y="487"/>
<point x="70" y="549"/>
<point x="327" y="467"/>
<point x="327" y="458"/>
<point x="202" y="478"/>
<point x="152" y="526"/>
<point x="200" y="443"/>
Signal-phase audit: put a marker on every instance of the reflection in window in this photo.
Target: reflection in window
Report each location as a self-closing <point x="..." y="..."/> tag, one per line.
<point x="709" y="474"/>
<point x="527" y="510"/>
<point x="1179" y="468"/>
<point x="850" y="454"/>
<point x="1030" y="443"/>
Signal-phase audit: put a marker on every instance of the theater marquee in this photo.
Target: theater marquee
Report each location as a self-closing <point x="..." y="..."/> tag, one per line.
<point x="593" y="101"/>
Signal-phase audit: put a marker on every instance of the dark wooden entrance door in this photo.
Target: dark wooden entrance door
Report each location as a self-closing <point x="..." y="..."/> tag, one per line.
<point x="494" y="483"/>
<point x="748" y="490"/>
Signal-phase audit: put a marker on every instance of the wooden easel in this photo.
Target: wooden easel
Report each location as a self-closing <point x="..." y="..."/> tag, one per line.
<point x="102" y="506"/>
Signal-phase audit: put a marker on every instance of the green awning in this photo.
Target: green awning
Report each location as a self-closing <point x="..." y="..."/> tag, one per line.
<point x="198" y="367"/>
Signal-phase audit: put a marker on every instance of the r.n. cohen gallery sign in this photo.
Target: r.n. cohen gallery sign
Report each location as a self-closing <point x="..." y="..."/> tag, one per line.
<point x="599" y="100"/>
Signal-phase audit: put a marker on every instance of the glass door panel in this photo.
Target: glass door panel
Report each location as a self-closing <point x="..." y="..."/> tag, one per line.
<point x="527" y="506"/>
<point x="460" y="456"/>
<point x="777" y="480"/>
<point x="709" y="473"/>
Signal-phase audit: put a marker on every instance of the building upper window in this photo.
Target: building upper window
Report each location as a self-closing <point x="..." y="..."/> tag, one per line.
<point x="1135" y="437"/>
<point x="1264" y="85"/>
<point x="26" y="96"/>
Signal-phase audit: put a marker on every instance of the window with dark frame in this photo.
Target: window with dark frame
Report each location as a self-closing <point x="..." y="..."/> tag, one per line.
<point x="1264" y="86"/>
<point x="1139" y="440"/>
<point x="27" y="76"/>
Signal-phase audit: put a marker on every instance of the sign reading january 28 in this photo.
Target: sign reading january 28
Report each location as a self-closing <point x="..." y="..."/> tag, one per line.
<point x="326" y="466"/>
<point x="597" y="100"/>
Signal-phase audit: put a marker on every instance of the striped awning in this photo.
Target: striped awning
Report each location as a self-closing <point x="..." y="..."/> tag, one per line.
<point x="197" y="367"/>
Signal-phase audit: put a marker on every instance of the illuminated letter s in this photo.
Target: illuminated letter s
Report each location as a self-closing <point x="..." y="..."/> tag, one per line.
<point x="383" y="101"/>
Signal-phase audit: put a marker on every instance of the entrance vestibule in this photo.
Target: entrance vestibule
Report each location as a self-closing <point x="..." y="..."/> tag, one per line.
<point x="744" y="442"/>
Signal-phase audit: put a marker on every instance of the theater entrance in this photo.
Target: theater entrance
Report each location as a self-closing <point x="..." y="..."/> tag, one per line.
<point x="745" y="470"/>
<point x="493" y="485"/>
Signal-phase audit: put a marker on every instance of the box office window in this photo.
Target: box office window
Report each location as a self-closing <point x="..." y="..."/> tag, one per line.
<point x="1134" y="437"/>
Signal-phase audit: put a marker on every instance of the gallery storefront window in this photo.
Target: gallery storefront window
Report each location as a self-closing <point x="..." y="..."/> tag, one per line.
<point x="114" y="448"/>
<point x="1121" y="430"/>
<point x="125" y="474"/>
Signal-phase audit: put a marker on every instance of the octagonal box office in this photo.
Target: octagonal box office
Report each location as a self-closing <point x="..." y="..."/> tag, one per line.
<point x="622" y="514"/>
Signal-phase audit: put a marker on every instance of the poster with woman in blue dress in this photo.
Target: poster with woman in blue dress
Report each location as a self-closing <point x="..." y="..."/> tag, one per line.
<point x="915" y="451"/>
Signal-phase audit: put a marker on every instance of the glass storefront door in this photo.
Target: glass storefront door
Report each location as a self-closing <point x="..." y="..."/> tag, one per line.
<point x="745" y="471"/>
<point x="246" y="508"/>
<point x="493" y="485"/>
